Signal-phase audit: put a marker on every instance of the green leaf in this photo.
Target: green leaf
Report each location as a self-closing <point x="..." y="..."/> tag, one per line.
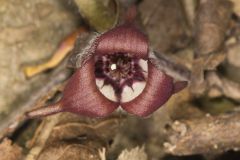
<point x="100" y="14"/>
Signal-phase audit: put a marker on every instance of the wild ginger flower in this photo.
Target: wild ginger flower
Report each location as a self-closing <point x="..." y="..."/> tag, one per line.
<point x="117" y="73"/>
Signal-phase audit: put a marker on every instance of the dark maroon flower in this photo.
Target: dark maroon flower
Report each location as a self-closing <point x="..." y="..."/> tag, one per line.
<point x="118" y="73"/>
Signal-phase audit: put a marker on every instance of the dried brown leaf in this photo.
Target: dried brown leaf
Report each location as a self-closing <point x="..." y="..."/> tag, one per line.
<point x="165" y="24"/>
<point x="136" y="153"/>
<point x="66" y="151"/>
<point x="212" y="21"/>
<point x="9" y="151"/>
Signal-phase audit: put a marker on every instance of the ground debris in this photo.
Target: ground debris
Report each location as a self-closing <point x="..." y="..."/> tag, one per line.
<point x="209" y="134"/>
<point x="136" y="153"/>
<point x="9" y="151"/>
<point x="192" y="40"/>
<point x="72" y="137"/>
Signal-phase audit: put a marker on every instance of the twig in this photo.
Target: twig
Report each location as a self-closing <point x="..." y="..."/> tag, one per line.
<point x="41" y="137"/>
<point x="209" y="134"/>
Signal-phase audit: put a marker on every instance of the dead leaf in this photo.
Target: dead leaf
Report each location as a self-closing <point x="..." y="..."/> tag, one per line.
<point x="165" y="24"/>
<point x="213" y="18"/>
<point x="9" y="151"/>
<point x="63" y="50"/>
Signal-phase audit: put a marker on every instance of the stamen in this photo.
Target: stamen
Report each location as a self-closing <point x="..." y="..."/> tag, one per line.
<point x="113" y="66"/>
<point x="120" y="77"/>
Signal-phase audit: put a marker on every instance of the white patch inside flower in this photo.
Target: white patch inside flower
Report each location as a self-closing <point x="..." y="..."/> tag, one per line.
<point x="144" y="64"/>
<point x="129" y="93"/>
<point x="113" y="67"/>
<point x="106" y="90"/>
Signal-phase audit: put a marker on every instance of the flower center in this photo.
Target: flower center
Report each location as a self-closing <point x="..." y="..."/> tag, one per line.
<point x="118" y="67"/>
<point x="119" y="74"/>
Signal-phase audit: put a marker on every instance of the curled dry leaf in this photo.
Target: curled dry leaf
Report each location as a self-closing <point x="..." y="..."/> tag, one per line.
<point x="105" y="130"/>
<point x="63" y="50"/>
<point x="67" y="136"/>
<point x="66" y="151"/>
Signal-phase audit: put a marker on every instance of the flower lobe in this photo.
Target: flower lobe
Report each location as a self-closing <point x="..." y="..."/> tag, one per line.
<point x="126" y="39"/>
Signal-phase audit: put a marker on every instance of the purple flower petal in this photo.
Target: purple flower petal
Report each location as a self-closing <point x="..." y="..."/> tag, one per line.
<point x="158" y="90"/>
<point x="81" y="95"/>
<point x="124" y="39"/>
<point x="179" y="85"/>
